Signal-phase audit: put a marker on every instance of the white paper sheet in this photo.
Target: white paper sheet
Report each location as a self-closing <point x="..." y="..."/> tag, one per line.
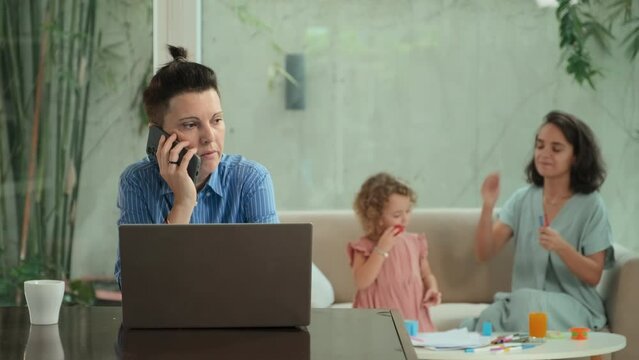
<point x="451" y="339"/>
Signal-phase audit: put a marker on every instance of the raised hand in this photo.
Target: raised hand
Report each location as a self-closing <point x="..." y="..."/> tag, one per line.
<point x="490" y="189"/>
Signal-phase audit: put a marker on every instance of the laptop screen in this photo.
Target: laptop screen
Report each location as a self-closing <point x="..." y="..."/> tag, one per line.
<point x="215" y="275"/>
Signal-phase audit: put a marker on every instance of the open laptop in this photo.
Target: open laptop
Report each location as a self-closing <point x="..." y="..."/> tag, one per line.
<point x="215" y="275"/>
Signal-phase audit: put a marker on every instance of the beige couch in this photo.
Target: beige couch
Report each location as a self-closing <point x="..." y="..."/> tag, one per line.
<point x="467" y="286"/>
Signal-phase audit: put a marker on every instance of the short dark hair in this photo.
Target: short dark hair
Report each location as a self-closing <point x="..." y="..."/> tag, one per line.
<point x="588" y="172"/>
<point x="372" y="197"/>
<point x="174" y="78"/>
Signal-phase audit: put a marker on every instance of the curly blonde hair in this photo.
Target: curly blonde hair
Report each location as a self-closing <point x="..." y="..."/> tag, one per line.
<point x="372" y="197"/>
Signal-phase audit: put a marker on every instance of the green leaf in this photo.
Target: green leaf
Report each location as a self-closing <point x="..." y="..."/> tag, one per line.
<point x="600" y="33"/>
<point x="81" y="292"/>
<point x="620" y="7"/>
<point x="631" y="40"/>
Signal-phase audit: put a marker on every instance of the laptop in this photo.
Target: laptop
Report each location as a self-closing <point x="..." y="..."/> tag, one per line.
<point x="235" y="343"/>
<point x="215" y="275"/>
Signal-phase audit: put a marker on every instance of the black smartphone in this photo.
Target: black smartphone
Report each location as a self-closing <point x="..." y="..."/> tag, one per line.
<point x="155" y="132"/>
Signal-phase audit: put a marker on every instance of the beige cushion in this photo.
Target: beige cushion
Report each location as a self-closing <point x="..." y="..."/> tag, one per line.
<point x="450" y="315"/>
<point x="445" y="316"/>
<point x="332" y="230"/>
<point x="462" y="279"/>
<point x="450" y="238"/>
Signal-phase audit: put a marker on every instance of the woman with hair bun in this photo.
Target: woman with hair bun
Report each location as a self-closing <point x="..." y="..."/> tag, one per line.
<point x="183" y="99"/>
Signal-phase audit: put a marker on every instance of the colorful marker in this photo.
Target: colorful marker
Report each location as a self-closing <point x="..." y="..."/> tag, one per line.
<point x="510" y="348"/>
<point x="500" y="348"/>
<point x="503" y="339"/>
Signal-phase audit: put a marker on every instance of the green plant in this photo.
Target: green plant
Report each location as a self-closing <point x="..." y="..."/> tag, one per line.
<point x="578" y="24"/>
<point x="80" y="292"/>
<point x="46" y="57"/>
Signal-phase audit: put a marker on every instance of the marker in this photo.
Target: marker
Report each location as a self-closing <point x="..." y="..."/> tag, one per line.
<point x="503" y="339"/>
<point x="510" y="348"/>
<point x="541" y="220"/>
<point x="501" y="348"/>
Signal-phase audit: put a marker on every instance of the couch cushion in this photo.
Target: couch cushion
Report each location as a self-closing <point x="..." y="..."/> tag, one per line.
<point x="332" y="230"/>
<point x="450" y="315"/>
<point x="342" y="305"/>
<point x="445" y="316"/>
<point x="450" y="234"/>
<point x="451" y="239"/>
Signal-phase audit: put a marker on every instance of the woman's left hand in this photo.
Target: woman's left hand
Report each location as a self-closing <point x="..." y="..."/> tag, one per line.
<point x="550" y="239"/>
<point x="432" y="297"/>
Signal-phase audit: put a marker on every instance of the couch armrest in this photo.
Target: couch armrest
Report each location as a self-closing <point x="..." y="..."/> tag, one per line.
<point x="621" y="292"/>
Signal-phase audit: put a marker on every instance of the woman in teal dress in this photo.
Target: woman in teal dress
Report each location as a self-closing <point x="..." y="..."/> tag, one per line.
<point x="560" y="227"/>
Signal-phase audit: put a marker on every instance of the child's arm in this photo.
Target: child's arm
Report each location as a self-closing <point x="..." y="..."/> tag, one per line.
<point x="365" y="271"/>
<point x="432" y="296"/>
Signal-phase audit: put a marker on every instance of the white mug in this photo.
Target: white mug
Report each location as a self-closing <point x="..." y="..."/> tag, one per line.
<point x="44" y="298"/>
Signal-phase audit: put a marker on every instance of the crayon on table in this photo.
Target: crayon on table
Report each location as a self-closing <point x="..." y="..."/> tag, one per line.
<point x="511" y="348"/>
<point x="500" y="348"/>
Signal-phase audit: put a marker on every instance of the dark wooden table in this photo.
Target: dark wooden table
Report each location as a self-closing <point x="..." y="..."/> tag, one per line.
<point x="96" y="333"/>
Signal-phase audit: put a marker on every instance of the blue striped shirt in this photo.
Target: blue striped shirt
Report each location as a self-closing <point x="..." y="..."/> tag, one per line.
<point x="238" y="191"/>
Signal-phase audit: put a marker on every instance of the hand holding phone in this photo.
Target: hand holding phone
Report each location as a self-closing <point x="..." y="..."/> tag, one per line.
<point x="155" y="132"/>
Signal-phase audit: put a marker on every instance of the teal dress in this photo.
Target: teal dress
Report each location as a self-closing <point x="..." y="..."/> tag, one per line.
<point x="541" y="281"/>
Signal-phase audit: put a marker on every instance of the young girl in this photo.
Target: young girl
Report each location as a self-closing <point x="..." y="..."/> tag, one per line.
<point x="389" y="264"/>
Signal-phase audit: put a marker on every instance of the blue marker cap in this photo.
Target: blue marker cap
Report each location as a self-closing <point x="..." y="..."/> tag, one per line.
<point x="486" y="328"/>
<point x="412" y="327"/>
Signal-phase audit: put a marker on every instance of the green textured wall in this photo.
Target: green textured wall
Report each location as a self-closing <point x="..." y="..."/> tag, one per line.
<point x="437" y="92"/>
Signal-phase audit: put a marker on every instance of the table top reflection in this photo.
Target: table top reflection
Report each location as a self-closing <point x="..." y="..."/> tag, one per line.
<point x="96" y="333"/>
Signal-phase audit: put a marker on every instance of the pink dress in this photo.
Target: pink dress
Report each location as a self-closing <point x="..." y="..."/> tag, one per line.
<point x="399" y="284"/>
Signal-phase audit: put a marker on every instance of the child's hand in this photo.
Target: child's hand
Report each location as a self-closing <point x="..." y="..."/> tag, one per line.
<point x="387" y="240"/>
<point x="432" y="298"/>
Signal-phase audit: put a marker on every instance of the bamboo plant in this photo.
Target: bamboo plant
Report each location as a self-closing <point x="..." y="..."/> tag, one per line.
<point x="46" y="56"/>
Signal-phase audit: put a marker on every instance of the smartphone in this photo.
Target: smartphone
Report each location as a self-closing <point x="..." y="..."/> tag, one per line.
<point x="193" y="169"/>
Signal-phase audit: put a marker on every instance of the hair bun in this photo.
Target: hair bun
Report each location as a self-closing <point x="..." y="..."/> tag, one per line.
<point x="177" y="52"/>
